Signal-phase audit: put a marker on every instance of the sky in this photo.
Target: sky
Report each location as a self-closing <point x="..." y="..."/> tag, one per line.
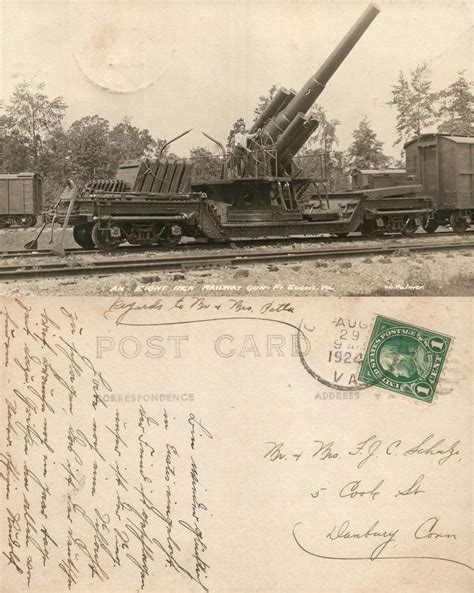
<point x="198" y="64"/>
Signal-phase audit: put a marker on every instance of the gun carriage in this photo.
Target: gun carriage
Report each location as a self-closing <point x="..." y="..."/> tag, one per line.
<point x="154" y="202"/>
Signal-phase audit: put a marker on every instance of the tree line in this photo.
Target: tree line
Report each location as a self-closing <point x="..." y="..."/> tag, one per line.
<point x="33" y="135"/>
<point x="33" y="138"/>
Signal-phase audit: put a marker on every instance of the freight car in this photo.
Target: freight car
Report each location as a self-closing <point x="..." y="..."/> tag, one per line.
<point x="444" y="165"/>
<point x="21" y="199"/>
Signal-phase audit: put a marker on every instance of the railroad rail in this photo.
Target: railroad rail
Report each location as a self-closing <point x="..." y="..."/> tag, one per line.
<point x="11" y="254"/>
<point x="236" y="258"/>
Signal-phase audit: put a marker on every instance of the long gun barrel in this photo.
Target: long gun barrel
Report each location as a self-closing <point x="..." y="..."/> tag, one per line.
<point x="278" y="103"/>
<point x="307" y="96"/>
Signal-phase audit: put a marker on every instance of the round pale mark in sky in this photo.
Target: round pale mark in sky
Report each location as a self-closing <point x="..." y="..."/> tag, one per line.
<point x="121" y="58"/>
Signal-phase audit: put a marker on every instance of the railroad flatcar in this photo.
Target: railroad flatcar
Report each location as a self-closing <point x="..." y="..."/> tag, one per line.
<point x="148" y="203"/>
<point x="444" y="165"/>
<point x="261" y="192"/>
<point x="268" y="197"/>
<point x="21" y="199"/>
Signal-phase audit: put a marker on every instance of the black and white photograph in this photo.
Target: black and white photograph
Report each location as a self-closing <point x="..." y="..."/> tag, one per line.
<point x="320" y="148"/>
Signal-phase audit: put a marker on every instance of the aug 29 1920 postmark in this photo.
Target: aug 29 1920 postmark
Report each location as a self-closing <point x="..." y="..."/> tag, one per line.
<point x="404" y="358"/>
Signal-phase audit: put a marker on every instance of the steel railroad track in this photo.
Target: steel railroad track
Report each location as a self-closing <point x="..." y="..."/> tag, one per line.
<point x="11" y="254"/>
<point x="243" y="257"/>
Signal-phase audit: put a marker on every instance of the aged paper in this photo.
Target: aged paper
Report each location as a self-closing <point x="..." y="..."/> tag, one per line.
<point x="226" y="445"/>
<point x="179" y="433"/>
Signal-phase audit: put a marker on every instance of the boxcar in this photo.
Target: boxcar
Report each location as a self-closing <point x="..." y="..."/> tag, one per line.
<point x="21" y="199"/>
<point x="444" y="165"/>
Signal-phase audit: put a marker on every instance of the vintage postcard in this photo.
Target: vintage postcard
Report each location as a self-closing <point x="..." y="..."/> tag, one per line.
<point x="228" y="445"/>
<point x="236" y="289"/>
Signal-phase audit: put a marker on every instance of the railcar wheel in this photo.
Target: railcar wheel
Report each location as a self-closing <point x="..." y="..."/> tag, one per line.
<point x="410" y="226"/>
<point x="458" y="223"/>
<point x="27" y="221"/>
<point x="103" y="239"/>
<point x="82" y="234"/>
<point x="168" y="238"/>
<point x="430" y="226"/>
<point x="341" y="235"/>
<point x="369" y="228"/>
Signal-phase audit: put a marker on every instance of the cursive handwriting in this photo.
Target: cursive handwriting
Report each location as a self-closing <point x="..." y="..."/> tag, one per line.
<point x="389" y="537"/>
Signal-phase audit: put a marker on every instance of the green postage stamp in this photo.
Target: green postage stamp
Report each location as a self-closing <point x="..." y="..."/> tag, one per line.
<point x="404" y="358"/>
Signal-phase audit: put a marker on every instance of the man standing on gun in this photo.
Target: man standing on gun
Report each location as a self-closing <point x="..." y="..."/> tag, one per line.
<point x="241" y="150"/>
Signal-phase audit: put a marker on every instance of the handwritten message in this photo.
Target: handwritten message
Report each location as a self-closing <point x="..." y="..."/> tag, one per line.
<point x="88" y="489"/>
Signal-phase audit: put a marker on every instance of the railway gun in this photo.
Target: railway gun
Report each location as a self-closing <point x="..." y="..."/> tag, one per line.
<point x="261" y="191"/>
<point x="260" y="194"/>
<point x="154" y="202"/>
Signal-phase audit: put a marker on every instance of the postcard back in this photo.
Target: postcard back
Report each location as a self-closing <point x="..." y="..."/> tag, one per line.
<point x="229" y="445"/>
